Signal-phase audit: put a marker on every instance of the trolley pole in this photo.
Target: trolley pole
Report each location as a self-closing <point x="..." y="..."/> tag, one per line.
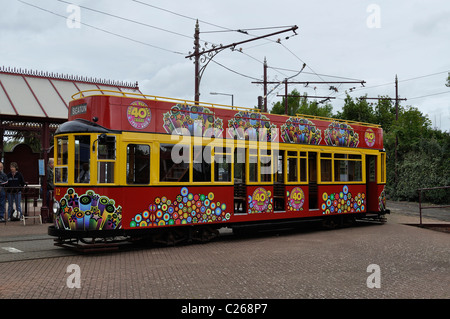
<point x="210" y="53"/>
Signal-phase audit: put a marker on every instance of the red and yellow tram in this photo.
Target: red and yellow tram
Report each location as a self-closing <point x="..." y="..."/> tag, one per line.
<point x="135" y="165"/>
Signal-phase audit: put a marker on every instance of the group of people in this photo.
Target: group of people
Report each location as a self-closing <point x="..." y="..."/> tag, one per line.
<point x="11" y="185"/>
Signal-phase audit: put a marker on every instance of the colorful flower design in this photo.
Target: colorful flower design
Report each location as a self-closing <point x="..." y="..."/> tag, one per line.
<point x="343" y="202"/>
<point x="341" y="134"/>
<point x="252" y="126"/>
<point x="300" y="131"/>
<point x="261" y="201"/>
<point x="186" y="208"/>
<point x="89" y="211"/>
<point x="296" y="199"/>
<point x="369" y="137"/>
<point x="197" y="120"/>
<point x="382" y="200"/>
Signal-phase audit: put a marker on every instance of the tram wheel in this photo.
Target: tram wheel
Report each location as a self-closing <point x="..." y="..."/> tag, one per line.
<point x="332" y="222"/>
<point x="204" y="234"/>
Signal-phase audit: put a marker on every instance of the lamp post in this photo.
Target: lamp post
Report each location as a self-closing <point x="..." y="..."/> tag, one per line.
<point x="232" y="96"/>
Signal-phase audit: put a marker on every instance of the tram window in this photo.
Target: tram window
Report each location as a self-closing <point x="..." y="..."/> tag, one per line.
<point x="341" y="170"/>
<point x="253" y="165"/>
<point x="62" y="148"/>
<point x="347" y="168"/>
<point x="107" y="148"/>
<point x="61" y="168"/>
<point x="61" y="174"/>
<point x="222" y="164"/>
<point x="325" y="167"/>
<point x="106" y="152"/>
<point x="176" y="168"/>
<point x="105" y="172"/>
<point x="292" y="169"/>
<point x="292" y="166"/>
<point x="82" y="158"/>
<point x="279" y="170"/>
<point x="202" y="163"/>
<point x="138" y="164"/>
<point x="265" y="160"/>
<point x="239" y="166"/>
<point x="303" y="167"/>
<point x="355" y="171"/>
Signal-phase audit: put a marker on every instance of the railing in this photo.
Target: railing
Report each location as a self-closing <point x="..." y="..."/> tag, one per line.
<point x="420" y="190"/>
<point x="87" y="93"/>
<point x="30" y="194"/>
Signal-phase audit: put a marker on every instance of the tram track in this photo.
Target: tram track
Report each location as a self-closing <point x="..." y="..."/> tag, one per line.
<point x="13" y="249"/>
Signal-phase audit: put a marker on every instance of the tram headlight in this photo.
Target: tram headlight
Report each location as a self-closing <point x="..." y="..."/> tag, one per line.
<point x="55" y="206"/>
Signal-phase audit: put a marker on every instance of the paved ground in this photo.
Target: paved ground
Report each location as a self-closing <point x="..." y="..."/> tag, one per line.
<point x="412" y="263"/>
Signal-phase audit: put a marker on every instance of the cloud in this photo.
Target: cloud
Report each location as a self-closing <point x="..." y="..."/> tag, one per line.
<point x="435" y="24"/>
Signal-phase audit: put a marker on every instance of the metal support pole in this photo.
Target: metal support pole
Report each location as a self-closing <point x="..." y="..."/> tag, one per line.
<point x="265" y="84"/>
<point x="286" y="97"/>
<point x="45" y="147"/>
<point x="420" y="206"/>
<point x="197" y="61"/>
<point x="396" y="135"/>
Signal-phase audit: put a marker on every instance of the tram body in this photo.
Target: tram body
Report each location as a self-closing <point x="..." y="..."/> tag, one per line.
<point x="129" y="164"/>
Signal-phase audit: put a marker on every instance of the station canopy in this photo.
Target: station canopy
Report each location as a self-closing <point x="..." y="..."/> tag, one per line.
<point x="38" y="96"/>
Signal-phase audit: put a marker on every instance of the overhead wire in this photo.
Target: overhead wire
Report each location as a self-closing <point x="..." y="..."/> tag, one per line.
<point x="103" y="30"/>
<point x="129" y="20"/>
<point x="419" y="97"/>
<point x="226" y="29"/>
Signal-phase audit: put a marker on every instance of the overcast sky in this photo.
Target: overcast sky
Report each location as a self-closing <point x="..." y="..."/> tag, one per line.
<point x="147" y="41"/>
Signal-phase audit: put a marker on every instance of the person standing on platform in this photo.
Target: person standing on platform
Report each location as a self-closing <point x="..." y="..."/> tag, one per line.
<point x="14" y="190"/>
<point x="50" y="185"/>
<point x="3" y="182"/>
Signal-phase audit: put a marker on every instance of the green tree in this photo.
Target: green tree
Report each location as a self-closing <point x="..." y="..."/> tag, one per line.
<point x="298" y="104"/>
<point x="384" y="113"/>
<point x="411" y="126"/>
<point x="359" y="110"/>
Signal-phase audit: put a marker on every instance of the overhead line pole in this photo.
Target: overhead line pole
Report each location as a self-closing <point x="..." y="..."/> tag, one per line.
<point x="265" y="82"/>
<point x="211" y="53"/>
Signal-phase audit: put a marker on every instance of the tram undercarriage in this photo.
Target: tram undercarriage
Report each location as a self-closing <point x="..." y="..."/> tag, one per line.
<point x="107" y="240"/>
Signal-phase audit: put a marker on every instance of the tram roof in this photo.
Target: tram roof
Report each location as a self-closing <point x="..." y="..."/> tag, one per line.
<point x="143" y="113"/>
<point x="94" y="92"/>
<point x="38" y="94"/>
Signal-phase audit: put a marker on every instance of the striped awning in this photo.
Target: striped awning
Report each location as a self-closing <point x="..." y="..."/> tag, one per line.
<point x="25" y="93"/>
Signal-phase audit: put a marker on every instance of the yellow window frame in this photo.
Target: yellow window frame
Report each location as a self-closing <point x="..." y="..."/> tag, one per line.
<point x="299" y="158"/>
<point x="381" y="169"/>
<point x="97" y="161"/>
<point x="333" y="158"/>
<point x="258" y="153"/>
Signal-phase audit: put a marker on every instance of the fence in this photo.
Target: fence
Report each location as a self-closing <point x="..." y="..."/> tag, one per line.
<point x="420" y="190"/>
<point x="30" y="199"/>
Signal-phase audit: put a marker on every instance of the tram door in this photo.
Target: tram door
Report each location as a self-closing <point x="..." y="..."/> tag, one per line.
<point x="371" y="182"/>
<point x="240" y="189"/>
<point x="312" y="177"/>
